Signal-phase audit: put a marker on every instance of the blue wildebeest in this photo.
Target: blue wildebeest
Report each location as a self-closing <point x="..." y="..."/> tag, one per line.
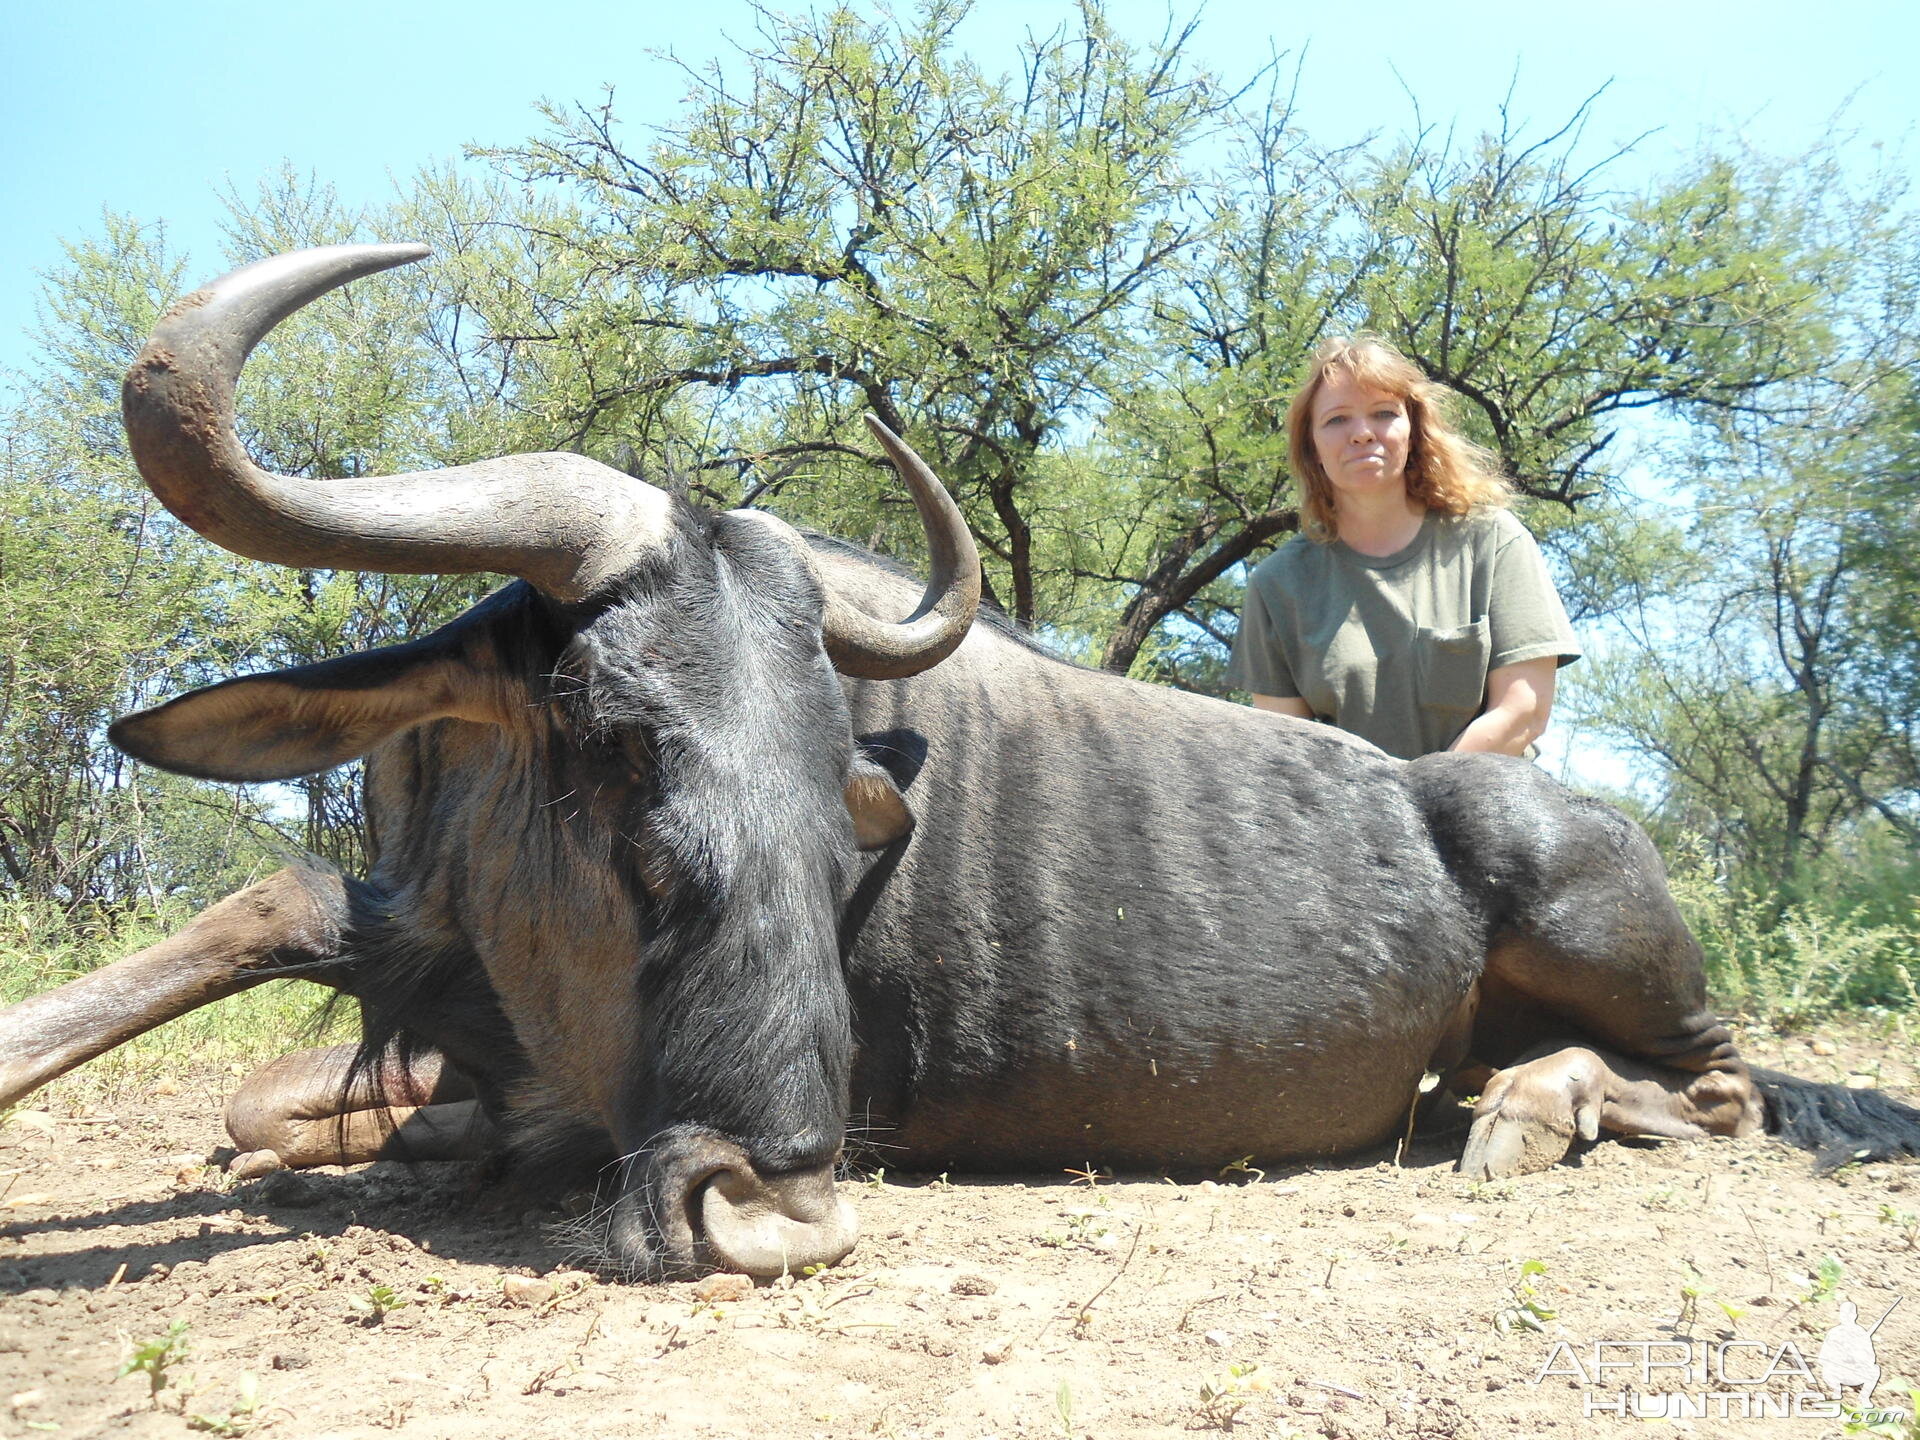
<point x="659" y="892"/>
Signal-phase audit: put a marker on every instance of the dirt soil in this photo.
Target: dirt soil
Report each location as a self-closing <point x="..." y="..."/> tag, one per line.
<point x="1360" y="1299"/>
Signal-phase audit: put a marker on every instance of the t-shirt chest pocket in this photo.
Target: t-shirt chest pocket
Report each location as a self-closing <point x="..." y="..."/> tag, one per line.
<point x="1452" y="666"/>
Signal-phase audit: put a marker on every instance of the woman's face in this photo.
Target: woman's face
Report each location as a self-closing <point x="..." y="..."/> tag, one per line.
<point x="1361" y="436"/>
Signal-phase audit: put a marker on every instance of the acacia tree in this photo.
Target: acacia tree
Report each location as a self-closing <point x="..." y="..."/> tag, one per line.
<point x="863" y="218"/>
<point x="1202" y="444"/>
<point x="1093" y="340"/>
<point x="1514" y="274"/>
<point x="98" y="599"/>
<point x="1770" y="679"/>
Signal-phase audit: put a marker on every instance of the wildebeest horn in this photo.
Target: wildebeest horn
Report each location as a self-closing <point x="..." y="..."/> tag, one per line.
<point x="871" y="649"/>
<point x="564" y="523"/>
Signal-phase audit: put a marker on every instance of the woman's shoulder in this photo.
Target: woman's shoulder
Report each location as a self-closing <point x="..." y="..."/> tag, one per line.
<point x="1286" y="566"/>
<point x="1486" y="529"/>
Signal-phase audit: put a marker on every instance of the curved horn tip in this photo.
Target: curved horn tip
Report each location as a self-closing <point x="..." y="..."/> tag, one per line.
<point x="350" y="261"/>
<point x="326" y="266"/>
<point x="878" y="427"/>
<point x="406" y="252"/>
<point x="265" y="291"/>
<point x="403" y="252"/>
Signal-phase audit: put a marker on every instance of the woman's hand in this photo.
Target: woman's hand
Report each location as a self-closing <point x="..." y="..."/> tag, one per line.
<point x="1284" y="705"/>
<point x="1519" y="699"/>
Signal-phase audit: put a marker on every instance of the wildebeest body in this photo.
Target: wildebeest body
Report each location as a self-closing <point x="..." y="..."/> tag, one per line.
<point x="1136" y="926"/>
<point x="1130" y="926"/>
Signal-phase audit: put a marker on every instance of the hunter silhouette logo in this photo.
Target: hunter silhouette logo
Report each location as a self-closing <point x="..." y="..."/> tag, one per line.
<point x="1846" y="1355"/>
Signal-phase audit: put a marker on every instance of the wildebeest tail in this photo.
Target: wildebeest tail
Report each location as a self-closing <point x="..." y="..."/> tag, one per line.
<point x="1838" y="1124"/>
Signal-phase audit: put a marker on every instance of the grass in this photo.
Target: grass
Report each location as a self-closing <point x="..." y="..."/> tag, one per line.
<point x="1792" y="965"/>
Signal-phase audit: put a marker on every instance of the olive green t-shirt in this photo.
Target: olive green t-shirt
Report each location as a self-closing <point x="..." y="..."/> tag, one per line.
<point x="1396" y="648"/>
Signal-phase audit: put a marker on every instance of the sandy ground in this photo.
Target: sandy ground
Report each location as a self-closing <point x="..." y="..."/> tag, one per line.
<point x="1362" y="1299"/>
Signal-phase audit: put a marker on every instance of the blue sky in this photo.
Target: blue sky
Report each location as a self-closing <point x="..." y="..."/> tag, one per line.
<point x="152" y="109"/>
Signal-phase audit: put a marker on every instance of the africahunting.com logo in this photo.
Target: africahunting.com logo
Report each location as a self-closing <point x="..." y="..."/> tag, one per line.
<point x="1684" y="1379"/>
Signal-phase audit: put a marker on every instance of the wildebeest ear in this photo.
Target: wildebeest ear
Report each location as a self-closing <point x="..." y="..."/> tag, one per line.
<point x="880" y="812"/>
<point x="313" y="717"/>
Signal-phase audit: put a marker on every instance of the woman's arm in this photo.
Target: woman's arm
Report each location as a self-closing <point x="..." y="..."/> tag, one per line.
<point x="1284" y="705"/>
<point x="1519" y="699"/>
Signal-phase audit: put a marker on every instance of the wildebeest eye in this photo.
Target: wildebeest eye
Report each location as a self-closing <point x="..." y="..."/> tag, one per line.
<point x="636" y="753"/>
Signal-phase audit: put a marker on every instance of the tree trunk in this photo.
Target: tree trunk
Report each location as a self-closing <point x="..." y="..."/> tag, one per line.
<point x="1175" y="581"/>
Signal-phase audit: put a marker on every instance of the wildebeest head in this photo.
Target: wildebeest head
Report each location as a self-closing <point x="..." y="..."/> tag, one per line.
<point x="627" y="786"/>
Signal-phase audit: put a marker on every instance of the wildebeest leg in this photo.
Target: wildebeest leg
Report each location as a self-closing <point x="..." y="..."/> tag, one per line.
<point x="1594" y="1005"/>
<point x="290" y="923"/>
<point x="1596" y="1014"/>
<point x="314" y="1108"/>
<point x="1593" y="1002"/>
<point x="1529" y="1113"/>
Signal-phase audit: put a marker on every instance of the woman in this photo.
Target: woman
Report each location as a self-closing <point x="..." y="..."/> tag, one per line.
<point x="1414" y="609"/>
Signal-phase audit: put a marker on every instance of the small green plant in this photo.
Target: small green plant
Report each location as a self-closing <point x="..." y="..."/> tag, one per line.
<point x="1526" y="1307"/>
<point x="877" y="1179"/>
<point x="1826" y="1280"/>
<point x="153" y="1358"/>
<point x="383" y="1300"/>
<point x="1063" y="1408"/>
<point x="1334" y="1259"/>
<point x="1243" y="1166"/>
<point x="1084" y="1227"/>
<point x="240" y="1417"/>
<point x="1222" y="1397"/>
<point x="1692" y="1288"/>
<point x="1905" y="1222"/>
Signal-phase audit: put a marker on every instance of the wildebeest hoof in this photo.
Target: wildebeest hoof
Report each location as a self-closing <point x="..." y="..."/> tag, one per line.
<point x="252" y="1164"/>
<point x="1528" y="1114"/>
